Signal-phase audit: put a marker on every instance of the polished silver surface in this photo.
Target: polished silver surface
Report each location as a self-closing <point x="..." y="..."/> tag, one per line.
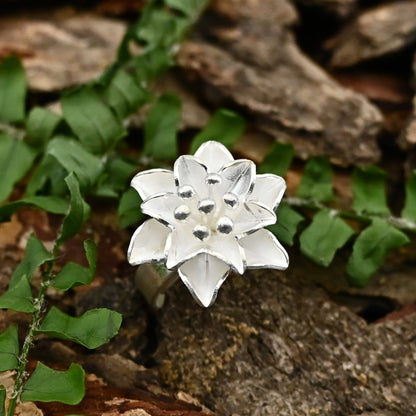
<point x="206" y="206"/>
<point x="231" y="199"/>
<point x="208" y="218"/>
<point x="182" y="212"/>
<point x="225" y="225"/>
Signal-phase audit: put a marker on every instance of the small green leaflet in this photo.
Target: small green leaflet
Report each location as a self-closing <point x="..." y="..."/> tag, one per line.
<point x="78" y="213"/>
<point x="370" y="249"/>
<point x="73" y="274"/>
<point x="225" y="126"/>
<point x="2" y="401"/>
<point x="152" y="63"/>
<point x="188" y="7"/>
<point x="409" y="210"/>
<point x="117" y="175"/>
<point x="316" y="182"/>
<point x="129" y="211"/>
<point x="160" y="31"/>
<point x="94" y="123"/>
<point x="92" y="329"/>
<point x="324" y="236"/>
<point x="368" y="186"/>
<point x="13" y="88"/>
<point x="9" y="349"/>
<point x="19" y="295"/>
<point x="48" y="385"/>
<point x="161" y="28"/>
<point x="278" y="159"/>
<point x="91" y="252"/>
<point x="40" y="125"/>
<point x="35" y="255"/>
<point x="52" y="204"/>
<point x="16" y="158"/>
<point x="74" y="158"/>
<point x="48" y="178"/>
<point x="124" y="95"/>
<point x="287" y="224"/>
<point x="161" y="127"/>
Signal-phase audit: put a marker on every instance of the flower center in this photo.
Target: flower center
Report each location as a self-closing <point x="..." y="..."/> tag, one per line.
<point x="213" y="179"/>
<point x="206" y="216"/>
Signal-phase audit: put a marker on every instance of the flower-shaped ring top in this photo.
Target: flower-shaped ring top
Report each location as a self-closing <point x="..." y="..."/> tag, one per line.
<point x="208" y="218"/>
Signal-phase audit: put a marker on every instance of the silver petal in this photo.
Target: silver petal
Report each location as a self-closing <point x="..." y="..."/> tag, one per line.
<point x="162" y="207"/>
<point x="268" y="190"/>
<point x="238" y="177"/>
<point x="182" y="246"/>
<point x="252" y="216"/>
<point x="227" y="249"/>
<point x="148" y="243"/>
<point x="203" y="275"/>
<point x="214" y="155"/>
<point x="263" y="250"/>
<point x="153" y="182"/>
<point x="188" y="171"/>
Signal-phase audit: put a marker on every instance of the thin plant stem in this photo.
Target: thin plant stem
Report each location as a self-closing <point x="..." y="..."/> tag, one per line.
<point x="37" y="317"/>
<point x="16" y="132"/>
<point x="401" y="223"/>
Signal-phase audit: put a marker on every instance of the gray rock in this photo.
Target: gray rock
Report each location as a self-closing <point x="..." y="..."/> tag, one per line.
<point x="256" y="64"/>
<point x="281" y="12"/>
<point x="273" y="344"/>
<point x="376" y="32"/>
<point x="61" y="50"/>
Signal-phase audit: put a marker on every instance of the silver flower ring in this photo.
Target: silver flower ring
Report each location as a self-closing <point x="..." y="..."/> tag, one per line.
<point x="208" y="218"/>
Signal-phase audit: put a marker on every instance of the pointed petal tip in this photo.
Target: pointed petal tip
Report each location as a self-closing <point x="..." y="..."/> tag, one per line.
<point x="239" y="177"/>
<point x="189" y="170"/>
<point x="212" y="145"/>
<point x="161" y="207"/>
<point x="148" y="243"/>
<point x="203" y="299"/>
<point x="253" y="216"/>
<point x="268" y="190"/>
<point x="203" y="275"/>
<point x="214" y="155"/>
<point x="185" y="159"/>
<point x="263" y="250"/>
<point x="206" y="302"/>
<point x="152" y="182"/>
<point x="285" y="263"/>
